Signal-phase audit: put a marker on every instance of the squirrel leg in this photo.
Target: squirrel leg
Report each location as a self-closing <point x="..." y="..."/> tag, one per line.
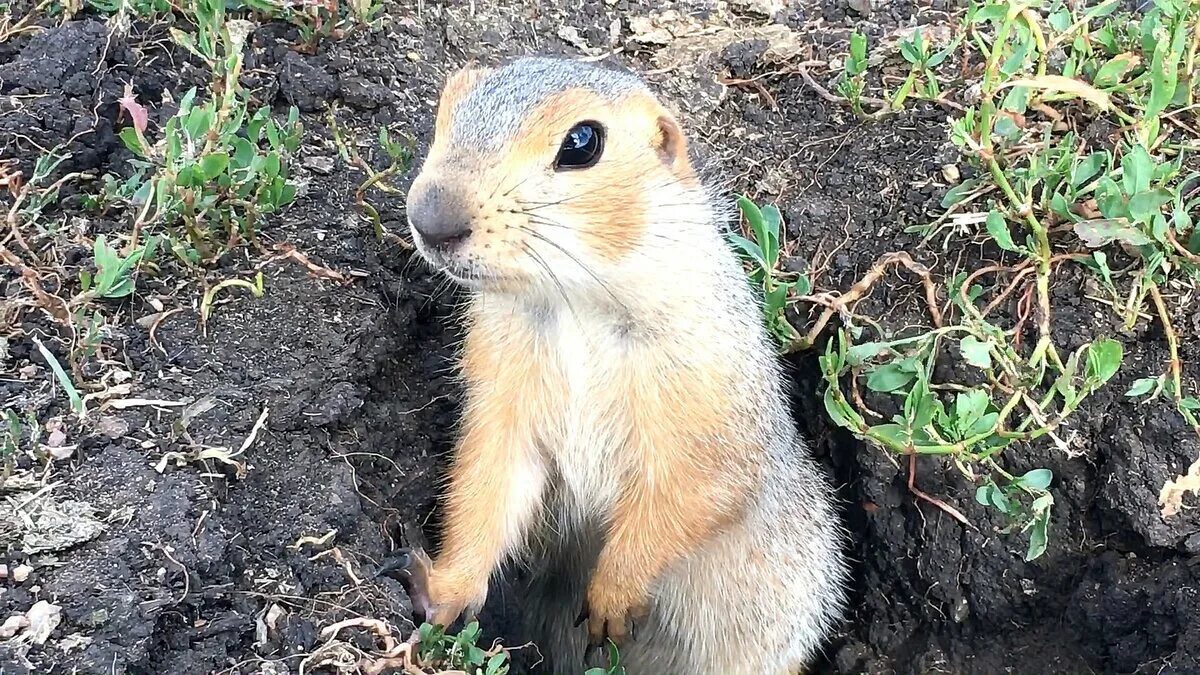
<point x="495" y="491"/>
<point x="669" y="507"/>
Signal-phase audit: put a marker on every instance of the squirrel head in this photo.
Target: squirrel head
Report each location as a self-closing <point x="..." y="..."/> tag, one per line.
<point x="550" y="175"/>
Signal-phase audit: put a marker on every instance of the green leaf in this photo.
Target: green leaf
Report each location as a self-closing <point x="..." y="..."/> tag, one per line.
<point x="1142" y="386"/>
<point x="840" y="413"/>
<point x="1038" y="538"/>
<point x="749" y="249"/>
<point x="1110" y="74"/>
<point x="867" y="350"/>
<point x="975" y="352"/>
<point x="858" y="54"/>
<point x="1189" y="403"/>
<point x="969" y="406"/>
<point x="1164" y="77"/>
<point x="1037" y="479"/>
<point x="1060" y="20"/>
<point x="983" y="494"/>
<point x="895" y="435"/>
<point x="64" y="380"/>
<point x="959" y="192"/>
<point x="1039" y="527"/>
<point x="983" y="424"/>
<point x="1137" y="170"/>
<point x="129" y="137"/>
<point x="998" y="228"/>
<point x="198" y="122"/>
<point x="213" y="165"/>
<point x="1145" y="205"/>
<point x="890" y="377"/>
<point x="1087" y="168"/>
<point x="496" y="662"/>
<point x="243" y="153"/>
<point x="1104" y="358"/>
<point x="920" y="406"/>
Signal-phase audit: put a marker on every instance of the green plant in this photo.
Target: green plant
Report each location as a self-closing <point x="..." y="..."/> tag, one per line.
<point x="1009" y="498"/>
<point x="325" y="18"/>
<point x="916" y="51"/>
<point x="852" y="82"/>
<point x="763" y="254"/>
<point x="114" y="272"/>
<point x="219" y="167"/>
<point x="400" y="155"/>
<point x="460" y="652"/>
<point x="76" y="401"/>
<point x="1044" y="196"/>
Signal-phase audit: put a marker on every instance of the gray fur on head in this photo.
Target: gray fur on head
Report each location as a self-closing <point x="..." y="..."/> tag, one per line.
<point x="492" y="112"/>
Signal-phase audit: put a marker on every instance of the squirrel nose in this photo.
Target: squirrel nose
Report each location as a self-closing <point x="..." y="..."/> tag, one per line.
<point x="439" y="216"/>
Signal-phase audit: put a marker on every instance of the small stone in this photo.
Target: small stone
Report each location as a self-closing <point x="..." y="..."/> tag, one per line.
<point x="112" y="427"/>
<point x="43" y="619"/>
<point x="12" y="625"/>
<point x="863" y="7"/>
<point x="96" y="618"/>
<point x="413" y="56"/>
<point x="21" y="572"/>
<point x="951" y="174"/>
<point x="321" y="165"/>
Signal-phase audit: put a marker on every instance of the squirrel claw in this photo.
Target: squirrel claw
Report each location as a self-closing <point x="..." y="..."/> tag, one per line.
<point x="411" y="565"/>
<point x="591" y="649"/>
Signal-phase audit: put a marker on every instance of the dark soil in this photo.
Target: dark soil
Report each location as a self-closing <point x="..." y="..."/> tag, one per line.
<point x="354" y="378"/>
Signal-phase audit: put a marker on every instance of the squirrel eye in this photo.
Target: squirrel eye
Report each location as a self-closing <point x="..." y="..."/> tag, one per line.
<point x="581" y="148"/>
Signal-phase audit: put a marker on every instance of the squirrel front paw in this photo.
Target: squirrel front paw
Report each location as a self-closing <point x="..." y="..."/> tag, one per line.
<point x="611" y="611"/>
<point x="441" y="593"/>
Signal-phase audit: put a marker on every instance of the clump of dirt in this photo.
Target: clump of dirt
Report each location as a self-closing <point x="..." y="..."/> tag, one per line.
<point x="343" y="397"/>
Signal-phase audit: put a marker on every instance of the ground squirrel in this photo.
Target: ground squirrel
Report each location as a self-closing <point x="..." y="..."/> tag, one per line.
<point x="626" y="430"/>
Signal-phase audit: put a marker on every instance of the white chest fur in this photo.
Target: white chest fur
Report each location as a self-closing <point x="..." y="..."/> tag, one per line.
<point x="585" y="445"/>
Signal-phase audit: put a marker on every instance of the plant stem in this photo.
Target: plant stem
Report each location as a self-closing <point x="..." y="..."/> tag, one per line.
<point x="1172" y="340"/>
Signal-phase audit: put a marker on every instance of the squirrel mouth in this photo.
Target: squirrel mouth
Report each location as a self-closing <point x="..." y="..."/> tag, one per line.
<point x="464" y="272"/>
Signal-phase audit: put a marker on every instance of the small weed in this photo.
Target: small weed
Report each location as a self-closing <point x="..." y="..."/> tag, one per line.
<point x="762" y="254"/>
<point x="327" y="18"/>
<point x="114" y="272"/>
<point x="400" y="155"/>
<point x="853" y="81"/>
<point x="64" y="380"/>
<point x="1044" y="73"/>
<point x="446" y="653"/>
<point x="460" y="652"/>
<point x="219" y="167"/>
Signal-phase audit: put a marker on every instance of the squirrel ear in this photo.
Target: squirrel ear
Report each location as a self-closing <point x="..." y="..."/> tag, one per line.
<point x="672" y="146"/>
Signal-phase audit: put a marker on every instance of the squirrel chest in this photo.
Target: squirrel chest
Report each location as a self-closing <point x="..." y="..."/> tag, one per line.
<point x="573" y="380"/>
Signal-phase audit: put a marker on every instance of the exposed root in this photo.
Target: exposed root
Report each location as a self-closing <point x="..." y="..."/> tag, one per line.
<point x="912" y="487"/>
<point x="859" y="290"/>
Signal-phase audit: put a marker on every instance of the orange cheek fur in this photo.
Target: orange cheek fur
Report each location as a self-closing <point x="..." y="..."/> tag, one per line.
<point x="610" y="200"/>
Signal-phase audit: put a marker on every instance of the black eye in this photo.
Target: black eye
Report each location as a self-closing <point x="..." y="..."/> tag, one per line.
<point x="582" y="147"/>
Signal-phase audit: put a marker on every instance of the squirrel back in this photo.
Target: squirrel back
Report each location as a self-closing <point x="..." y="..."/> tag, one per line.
<point x="626" y="428"/>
